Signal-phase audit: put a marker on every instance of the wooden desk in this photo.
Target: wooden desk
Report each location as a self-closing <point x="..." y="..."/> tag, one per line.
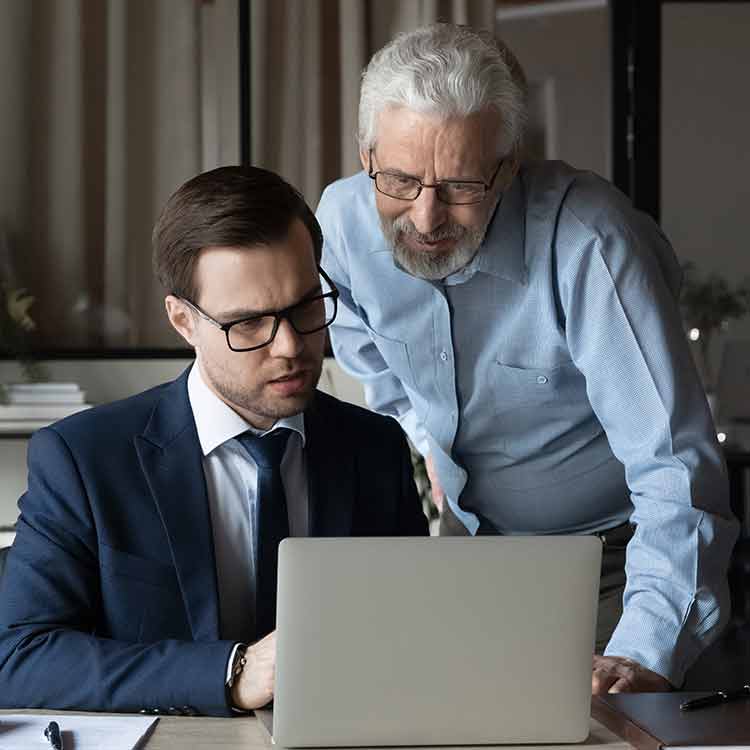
<point x="247" y="733"/>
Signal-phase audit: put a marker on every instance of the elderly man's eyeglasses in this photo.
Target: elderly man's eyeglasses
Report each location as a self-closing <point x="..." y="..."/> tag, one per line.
<point x="453" y="192"/>
<point x="256" y="331"/>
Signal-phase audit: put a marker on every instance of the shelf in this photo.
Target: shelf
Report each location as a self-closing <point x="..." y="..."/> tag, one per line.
<point x="20" y="433"/>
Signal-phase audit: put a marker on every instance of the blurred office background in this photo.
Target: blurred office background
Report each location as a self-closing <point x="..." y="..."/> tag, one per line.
<point x="109" y="105"/>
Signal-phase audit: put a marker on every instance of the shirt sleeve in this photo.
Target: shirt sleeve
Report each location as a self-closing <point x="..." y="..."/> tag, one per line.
<point x="352" y="344"/>
<point x="618" y="292"/>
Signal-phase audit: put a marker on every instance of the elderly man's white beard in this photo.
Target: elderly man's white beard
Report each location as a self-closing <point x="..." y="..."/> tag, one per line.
<point x="433" y="265"/>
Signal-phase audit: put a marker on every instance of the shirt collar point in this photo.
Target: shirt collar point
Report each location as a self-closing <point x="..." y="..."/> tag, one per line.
<point x="217" y="423"/>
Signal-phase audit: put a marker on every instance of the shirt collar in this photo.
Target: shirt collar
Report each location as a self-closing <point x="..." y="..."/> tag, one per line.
<point x="216" y="422"/>
<point x="502" y="252"/>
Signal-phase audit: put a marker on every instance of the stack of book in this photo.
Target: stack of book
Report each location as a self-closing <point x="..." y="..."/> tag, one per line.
<point x="28" y="406"/>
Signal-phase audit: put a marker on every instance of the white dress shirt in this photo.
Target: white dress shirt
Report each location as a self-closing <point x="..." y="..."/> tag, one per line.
<point x="232" y="486"/>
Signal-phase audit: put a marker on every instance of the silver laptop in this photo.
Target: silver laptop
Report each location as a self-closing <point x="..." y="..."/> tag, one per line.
<point x="435" y="641"/>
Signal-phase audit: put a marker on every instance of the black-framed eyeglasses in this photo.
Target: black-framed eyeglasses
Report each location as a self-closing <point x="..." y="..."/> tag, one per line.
<point x="256" y="331"/>
<point x="453" y="192"/>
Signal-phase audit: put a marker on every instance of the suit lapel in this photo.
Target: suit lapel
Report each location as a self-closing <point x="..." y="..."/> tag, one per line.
<point x="330" y="470"/>
<point x="171" y="460"/>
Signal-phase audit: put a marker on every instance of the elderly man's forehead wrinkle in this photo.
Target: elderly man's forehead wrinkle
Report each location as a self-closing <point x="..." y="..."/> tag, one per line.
<point x="431" y="147"/>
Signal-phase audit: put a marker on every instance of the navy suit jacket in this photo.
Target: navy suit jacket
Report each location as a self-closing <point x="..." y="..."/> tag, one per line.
<point x="109" y="600"/>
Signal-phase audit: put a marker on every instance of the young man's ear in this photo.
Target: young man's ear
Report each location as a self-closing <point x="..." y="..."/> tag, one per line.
<point x="181" y="318"/>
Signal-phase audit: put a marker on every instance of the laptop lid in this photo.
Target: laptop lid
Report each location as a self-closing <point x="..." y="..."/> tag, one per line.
<point x="435" y="641"/>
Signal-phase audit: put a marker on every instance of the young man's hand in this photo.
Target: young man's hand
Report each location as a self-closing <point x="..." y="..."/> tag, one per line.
<point x="255" y="685"/>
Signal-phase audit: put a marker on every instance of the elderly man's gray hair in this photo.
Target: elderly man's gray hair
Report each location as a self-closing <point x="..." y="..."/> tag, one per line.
<point x="448" y="71"/>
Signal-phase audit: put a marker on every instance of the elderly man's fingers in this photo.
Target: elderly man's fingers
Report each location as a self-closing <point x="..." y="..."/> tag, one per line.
<point x="616" y="674"/>
<point x="602" y="680"/>
<point x="622" y="685"/>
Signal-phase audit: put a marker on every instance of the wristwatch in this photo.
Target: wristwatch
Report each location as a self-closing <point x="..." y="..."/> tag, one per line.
<point x="238" y="664"/>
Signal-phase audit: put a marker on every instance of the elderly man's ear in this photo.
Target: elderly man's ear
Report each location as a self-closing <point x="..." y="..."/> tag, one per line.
<point x="511" y="166"/>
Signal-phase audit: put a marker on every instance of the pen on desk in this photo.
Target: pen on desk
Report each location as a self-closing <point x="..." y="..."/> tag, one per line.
<point x="715" y="699"/>
<point x="52" y="733"/>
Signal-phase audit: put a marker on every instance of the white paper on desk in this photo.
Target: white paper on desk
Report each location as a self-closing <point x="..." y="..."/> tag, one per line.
<point x="26" y="731"/>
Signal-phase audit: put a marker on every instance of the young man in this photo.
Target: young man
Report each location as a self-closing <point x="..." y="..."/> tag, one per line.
<point x="145" y="558"/>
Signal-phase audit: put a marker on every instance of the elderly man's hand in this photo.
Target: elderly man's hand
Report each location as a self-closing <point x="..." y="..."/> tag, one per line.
<point x="616" y="674"/>
<point x="437" y="491"/>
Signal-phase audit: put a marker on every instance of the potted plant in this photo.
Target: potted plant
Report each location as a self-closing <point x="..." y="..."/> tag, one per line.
<point x="708" y="303"/>
<point x="15" y="326"/>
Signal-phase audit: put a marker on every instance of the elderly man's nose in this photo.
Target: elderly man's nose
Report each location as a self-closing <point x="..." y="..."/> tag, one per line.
<point x="427" y="213"/>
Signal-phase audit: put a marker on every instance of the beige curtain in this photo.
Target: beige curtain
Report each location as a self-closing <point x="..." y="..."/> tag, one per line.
<point x="105" y="115"/>
<point x="307" y="59"/>
<point x="108" y="105"/>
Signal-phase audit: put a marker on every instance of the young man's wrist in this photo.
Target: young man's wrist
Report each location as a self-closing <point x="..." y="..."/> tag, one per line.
<point x="235" y="665"/>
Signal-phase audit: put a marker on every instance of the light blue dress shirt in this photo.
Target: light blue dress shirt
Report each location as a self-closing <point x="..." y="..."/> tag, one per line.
<point x="552" y="383"/>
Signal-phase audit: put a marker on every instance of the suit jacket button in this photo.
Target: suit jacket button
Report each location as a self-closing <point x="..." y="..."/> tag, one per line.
<point x="172" y="711"/>
<point x="189" y="711"/>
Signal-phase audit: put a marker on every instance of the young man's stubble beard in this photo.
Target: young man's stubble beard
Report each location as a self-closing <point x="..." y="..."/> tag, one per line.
<point x="257" y="400"/>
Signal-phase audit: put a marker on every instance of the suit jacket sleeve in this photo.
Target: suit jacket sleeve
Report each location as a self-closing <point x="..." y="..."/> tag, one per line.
<point x="56" y="649"/>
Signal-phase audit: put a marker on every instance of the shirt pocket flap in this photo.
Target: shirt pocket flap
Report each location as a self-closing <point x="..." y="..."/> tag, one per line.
<point x="396" y="356"/>
<point x="520" y="386"/>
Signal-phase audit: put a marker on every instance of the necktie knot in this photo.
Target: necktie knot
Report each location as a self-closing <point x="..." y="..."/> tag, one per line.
<point x="268" y="450"/>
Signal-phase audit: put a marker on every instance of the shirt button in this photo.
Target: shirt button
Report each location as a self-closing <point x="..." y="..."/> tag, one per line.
<point x="542" y="379"/>
<point x="444" y="355"/>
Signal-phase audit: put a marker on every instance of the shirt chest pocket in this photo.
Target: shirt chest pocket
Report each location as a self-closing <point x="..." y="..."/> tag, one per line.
<point x="519" y="387"/>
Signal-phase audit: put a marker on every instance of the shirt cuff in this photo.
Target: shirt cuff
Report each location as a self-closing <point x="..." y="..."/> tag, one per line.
<point x="653" y="642"/>
<point x="232" y="653"/>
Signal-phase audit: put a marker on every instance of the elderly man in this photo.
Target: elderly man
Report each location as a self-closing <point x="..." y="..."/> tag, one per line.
<point x="143" y="575"/>
<point x="520" y="321"/>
